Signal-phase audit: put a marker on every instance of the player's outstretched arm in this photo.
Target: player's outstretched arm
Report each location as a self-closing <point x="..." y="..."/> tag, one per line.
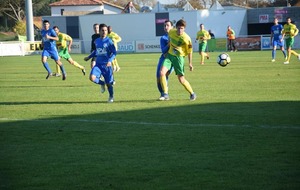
<point x="86" y="58"/>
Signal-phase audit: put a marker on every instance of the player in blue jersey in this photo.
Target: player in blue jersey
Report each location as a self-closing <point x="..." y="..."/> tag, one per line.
<point x="105" y="53"/>
<point x="49" y="39"/>
<point x="164" y="45"/>
<point x="276" y="39"/>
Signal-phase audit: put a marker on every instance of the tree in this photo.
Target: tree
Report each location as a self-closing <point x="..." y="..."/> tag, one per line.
<point x="41" y="7"/>
<point x="13" y="12"/>
<point x="20" y="28"/>
<point x="14" y="9"/>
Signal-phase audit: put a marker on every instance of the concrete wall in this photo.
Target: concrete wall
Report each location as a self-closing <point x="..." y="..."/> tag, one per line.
<point x="253" y="15"/>
<point x="218" y="21"/>
<point x="142" y="26"/>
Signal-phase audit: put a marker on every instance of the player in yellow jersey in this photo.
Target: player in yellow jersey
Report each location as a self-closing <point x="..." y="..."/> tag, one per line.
<point x="202" y="37"/>
<point x="289" y="32"/>
<point x="180" y="47"/>
<point x="115" y="38"/>
<point x="64" y="49"/>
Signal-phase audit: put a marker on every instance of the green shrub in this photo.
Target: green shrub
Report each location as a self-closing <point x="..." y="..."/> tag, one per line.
<point x="20" y="28"/>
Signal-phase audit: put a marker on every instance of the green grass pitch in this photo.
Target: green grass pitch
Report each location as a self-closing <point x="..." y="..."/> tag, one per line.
<point x="242" y="132"/>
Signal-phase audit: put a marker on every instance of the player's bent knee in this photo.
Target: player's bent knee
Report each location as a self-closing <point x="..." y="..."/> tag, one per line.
<point x="181" y="79"/>
<point x="92" y="78"/>
<point x="163" y="72"/>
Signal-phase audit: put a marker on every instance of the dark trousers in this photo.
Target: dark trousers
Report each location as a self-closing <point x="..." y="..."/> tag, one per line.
<point x="231" y="45"/>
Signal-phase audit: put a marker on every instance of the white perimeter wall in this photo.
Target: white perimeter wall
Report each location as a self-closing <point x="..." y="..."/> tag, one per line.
<point x="218" y="20"/>
<point x="141" y="26"/>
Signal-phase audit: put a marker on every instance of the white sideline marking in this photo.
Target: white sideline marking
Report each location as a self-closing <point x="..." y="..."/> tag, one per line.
<point x="148" y="123"/>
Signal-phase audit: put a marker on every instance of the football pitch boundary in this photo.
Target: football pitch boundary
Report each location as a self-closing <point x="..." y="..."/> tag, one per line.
<point x="149" y="123"/>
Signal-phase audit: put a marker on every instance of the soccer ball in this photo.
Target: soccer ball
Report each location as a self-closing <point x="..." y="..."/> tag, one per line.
<point x="223" y="59"/>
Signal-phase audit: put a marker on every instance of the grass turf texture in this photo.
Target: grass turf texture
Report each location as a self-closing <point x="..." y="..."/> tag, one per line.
<point x="242" y="132"/>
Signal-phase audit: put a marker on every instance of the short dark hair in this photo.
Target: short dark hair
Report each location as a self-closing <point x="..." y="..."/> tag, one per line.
<point x="180" y="22"/>
<point x="102" y="25"/>
<point x="166" y="21"/>
<point x="45" y="21"/>
<point x="55" y="27"/>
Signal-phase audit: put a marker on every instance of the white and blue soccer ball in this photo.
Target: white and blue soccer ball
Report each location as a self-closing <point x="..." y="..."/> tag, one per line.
<point x="223" y="59"/>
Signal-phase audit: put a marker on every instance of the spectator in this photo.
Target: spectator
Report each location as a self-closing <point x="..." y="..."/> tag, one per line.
<point x="211" y="43"/>
<point x="129" y="8"/>
<point x="231" y="39"/>
<point x="212" y="35"/>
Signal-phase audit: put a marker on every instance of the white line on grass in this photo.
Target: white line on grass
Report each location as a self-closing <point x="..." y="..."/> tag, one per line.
<point x="149" y="123"/>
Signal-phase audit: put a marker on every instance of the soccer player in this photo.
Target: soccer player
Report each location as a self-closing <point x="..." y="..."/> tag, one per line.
<point x="105" y="52"/>
<point x="289" y="32"/>
<point x="116" y="39"/>
<point x="231" y="39"/>
<point x="276" y="39"/>
<point x="164" y="46"/>
<point x="49" y="49"/>
<point x="180" y="47"/>
<point x="93" y="47"/>
<point x="64" y="49"/>
<point x="202" y="37"/>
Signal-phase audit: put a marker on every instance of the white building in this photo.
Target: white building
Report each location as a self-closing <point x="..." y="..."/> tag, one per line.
<point x="83" y="7"/>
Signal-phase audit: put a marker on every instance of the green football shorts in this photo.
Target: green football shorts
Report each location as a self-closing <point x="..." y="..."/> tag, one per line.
<point x="176" y="61"/>
<point x="289" y="42"/>
<point x="64" y="53"/>
<point x="202" y="47"/>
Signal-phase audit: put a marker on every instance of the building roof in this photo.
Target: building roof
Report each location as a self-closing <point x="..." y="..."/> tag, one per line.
<point x="172" y="7"/>
<point x="216" y="6"/>
<point x="83" y="3"/>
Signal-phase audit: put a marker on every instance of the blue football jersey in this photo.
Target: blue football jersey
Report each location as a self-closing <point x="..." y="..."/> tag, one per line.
<point x="164" y="40"/>
<point x="48" y="43"/>
<point x="105" y="51"/>
<point x="276" y="30"/>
